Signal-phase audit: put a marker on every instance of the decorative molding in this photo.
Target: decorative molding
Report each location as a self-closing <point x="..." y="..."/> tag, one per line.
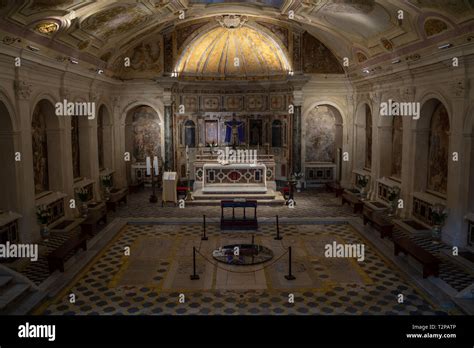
<point x="23" y="89"/>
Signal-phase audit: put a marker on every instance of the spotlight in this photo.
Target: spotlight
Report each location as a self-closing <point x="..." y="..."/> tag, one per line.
<point x="291" y="72"/>
<point x="366" y="71"/>
<point x="73" y="60"/>
<point x="447" y="45"/>
<point x="33" y="48"/>
<point x="100" y="71"/>
<point x="396" y="61"/>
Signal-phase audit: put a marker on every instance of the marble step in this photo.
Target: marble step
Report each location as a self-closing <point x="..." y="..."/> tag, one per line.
<point x="25" y="304"/>
<point x="4" y="280"/>
<point x="12" y="293"/>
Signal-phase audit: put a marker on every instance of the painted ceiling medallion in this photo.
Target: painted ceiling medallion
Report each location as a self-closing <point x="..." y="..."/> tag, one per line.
<point x="232" y="21"/>
<point x="47" y="27"/>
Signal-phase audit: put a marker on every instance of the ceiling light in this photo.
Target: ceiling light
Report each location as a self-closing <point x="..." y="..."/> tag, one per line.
<point x="396" y="61"/>
<point x="366" y="71"/>
<point x="33" y="48"/>
<point x="73" y="60"/>
<point x="442" y="47"/>
<point x="100" y="71"/>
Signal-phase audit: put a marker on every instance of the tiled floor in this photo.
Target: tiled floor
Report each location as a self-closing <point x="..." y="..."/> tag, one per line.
<point x="322" y="286"/>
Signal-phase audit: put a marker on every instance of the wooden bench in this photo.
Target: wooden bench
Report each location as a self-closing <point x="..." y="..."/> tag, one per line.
<point x="117" y="198"/>
<point x="378" y="222"/>
<point x="57" y="258"/>
<point x="429" y="262"/>
<point x="334" y="187"/>
<point x="89" y="225"/>
<point x="352" y="200"/>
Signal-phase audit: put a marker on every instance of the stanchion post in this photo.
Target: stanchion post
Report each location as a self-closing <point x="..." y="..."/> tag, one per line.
<point x="204" y="237"/>
<point x="194" y="276"/>
<point x="278" y="230"/>
<point x="289" y="276"/>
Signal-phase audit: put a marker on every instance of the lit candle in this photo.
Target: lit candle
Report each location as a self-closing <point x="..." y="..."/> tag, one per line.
<point x="148" y="166"/>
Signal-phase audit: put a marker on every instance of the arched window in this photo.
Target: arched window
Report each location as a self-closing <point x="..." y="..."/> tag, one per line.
<point x="277" y="132"/>
<point x="40" y="150"/>
<point x="190" y="133"/>
<point x="368" y="137"/>
<point x="76" y="156"/>
<point x="438" y="152"/>
<point x="397" y="146"/>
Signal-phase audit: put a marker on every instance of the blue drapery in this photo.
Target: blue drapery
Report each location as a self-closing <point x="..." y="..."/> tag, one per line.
<point x="228" y="131"/>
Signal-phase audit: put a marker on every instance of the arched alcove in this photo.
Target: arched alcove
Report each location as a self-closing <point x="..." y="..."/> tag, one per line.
<point x="363" y="148"/>
<point x="8" y="188"/>
<point x="104" y="138"/>
<point x="47" y="172"/>
<point x="432" y="149"/>
<point x="190" y="133"/>
<point x="143" y="133"/>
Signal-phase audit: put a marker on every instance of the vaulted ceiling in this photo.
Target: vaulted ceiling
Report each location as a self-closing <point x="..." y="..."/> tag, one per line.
<point x="102" y="32"/>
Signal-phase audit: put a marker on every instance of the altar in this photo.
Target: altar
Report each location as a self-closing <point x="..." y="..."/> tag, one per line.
<point x="215" y="181"/>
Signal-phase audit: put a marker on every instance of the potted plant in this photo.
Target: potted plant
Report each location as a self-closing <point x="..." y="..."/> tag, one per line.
<point x="393" y="196"/>
<point x="439" y="213"/>
<point x="107" y="184"/>
<point x="43" y="215"/>
<point x="362" y="181"/>
<point x="83" y="195"/>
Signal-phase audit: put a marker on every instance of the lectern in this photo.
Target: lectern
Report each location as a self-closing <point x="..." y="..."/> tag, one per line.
<point x="170" y="182"/>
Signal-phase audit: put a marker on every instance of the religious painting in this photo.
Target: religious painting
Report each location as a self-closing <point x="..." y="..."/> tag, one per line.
<point x="320" y="137"/>
<point x="100" y="139"/>
<point x="368" y="137"/>
<point x="438" y="153"/>
<point x="211" y="132"/>
<point x="397" y="146"/>
<point x="255" y="132"/>
<point x="40" y="151"/>
<point x="277" y="133"/>
<point x="146" y="133"/>
<point x="76" y="156"/>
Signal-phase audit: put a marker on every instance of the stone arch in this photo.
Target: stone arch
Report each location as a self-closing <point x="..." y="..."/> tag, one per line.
<point x="46" y="139"/>
<point x="137" y="133"/>
<point x="9" y="198"/>
<point x="432" y="148"/>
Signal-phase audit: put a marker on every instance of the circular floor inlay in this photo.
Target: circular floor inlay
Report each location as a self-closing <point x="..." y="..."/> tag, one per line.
<point x="242" y="254"/>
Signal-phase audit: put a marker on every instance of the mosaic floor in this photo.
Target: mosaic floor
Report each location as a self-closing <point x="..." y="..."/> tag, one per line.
<point x="151" y="279"/>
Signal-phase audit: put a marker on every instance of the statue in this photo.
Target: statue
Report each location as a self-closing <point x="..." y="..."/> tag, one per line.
<point x="234" y="132"/>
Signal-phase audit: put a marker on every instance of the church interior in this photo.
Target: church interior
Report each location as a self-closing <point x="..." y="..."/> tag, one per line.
<point x="227" y="157"/>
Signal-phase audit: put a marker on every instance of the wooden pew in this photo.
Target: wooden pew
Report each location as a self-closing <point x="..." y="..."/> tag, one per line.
<point x="57" y="258"/>
<point x="353" y="201"/>
<point x="378" y="222"/>
<point x="116" y="199"/>
<point x="429" y="262"/>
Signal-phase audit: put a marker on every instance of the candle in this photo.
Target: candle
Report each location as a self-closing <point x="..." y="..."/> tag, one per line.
<point x="148" y="166"/>
<point x="155" y="164"/>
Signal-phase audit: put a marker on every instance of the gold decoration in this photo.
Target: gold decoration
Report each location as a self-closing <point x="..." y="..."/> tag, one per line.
<point x="47" y="27"/>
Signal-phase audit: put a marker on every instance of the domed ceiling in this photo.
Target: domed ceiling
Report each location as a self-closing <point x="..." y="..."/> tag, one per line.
<point x="233" y="53"/>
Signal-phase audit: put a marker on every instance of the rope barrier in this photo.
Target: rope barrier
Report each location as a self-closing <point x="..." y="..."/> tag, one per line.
<point x="232" y="271"/>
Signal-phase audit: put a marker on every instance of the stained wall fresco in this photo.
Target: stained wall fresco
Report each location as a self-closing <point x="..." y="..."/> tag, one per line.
<point x="434" y="26"/>
<point x="317" y="58"/>
<point x="76" y="155"/>
<point x="40" y="150"/>
<point x="146" y="133"/>
<point x="368" y="137"/>
<point x="438" y="151"/>
<point x="397" y="146"/>
<point x="320" y="126"/>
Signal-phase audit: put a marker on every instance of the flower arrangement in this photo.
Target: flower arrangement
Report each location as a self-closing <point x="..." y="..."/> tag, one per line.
<point x="42" y="214"/>
<point x="393" y="193"/>
<point x="439" y="213"/>
<point x="106" y="180"/>
<point x="83" y="194"/>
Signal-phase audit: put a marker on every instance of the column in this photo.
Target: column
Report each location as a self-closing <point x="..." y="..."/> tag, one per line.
<point x="169" y="153"/>
<point x="296" y="165"/>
